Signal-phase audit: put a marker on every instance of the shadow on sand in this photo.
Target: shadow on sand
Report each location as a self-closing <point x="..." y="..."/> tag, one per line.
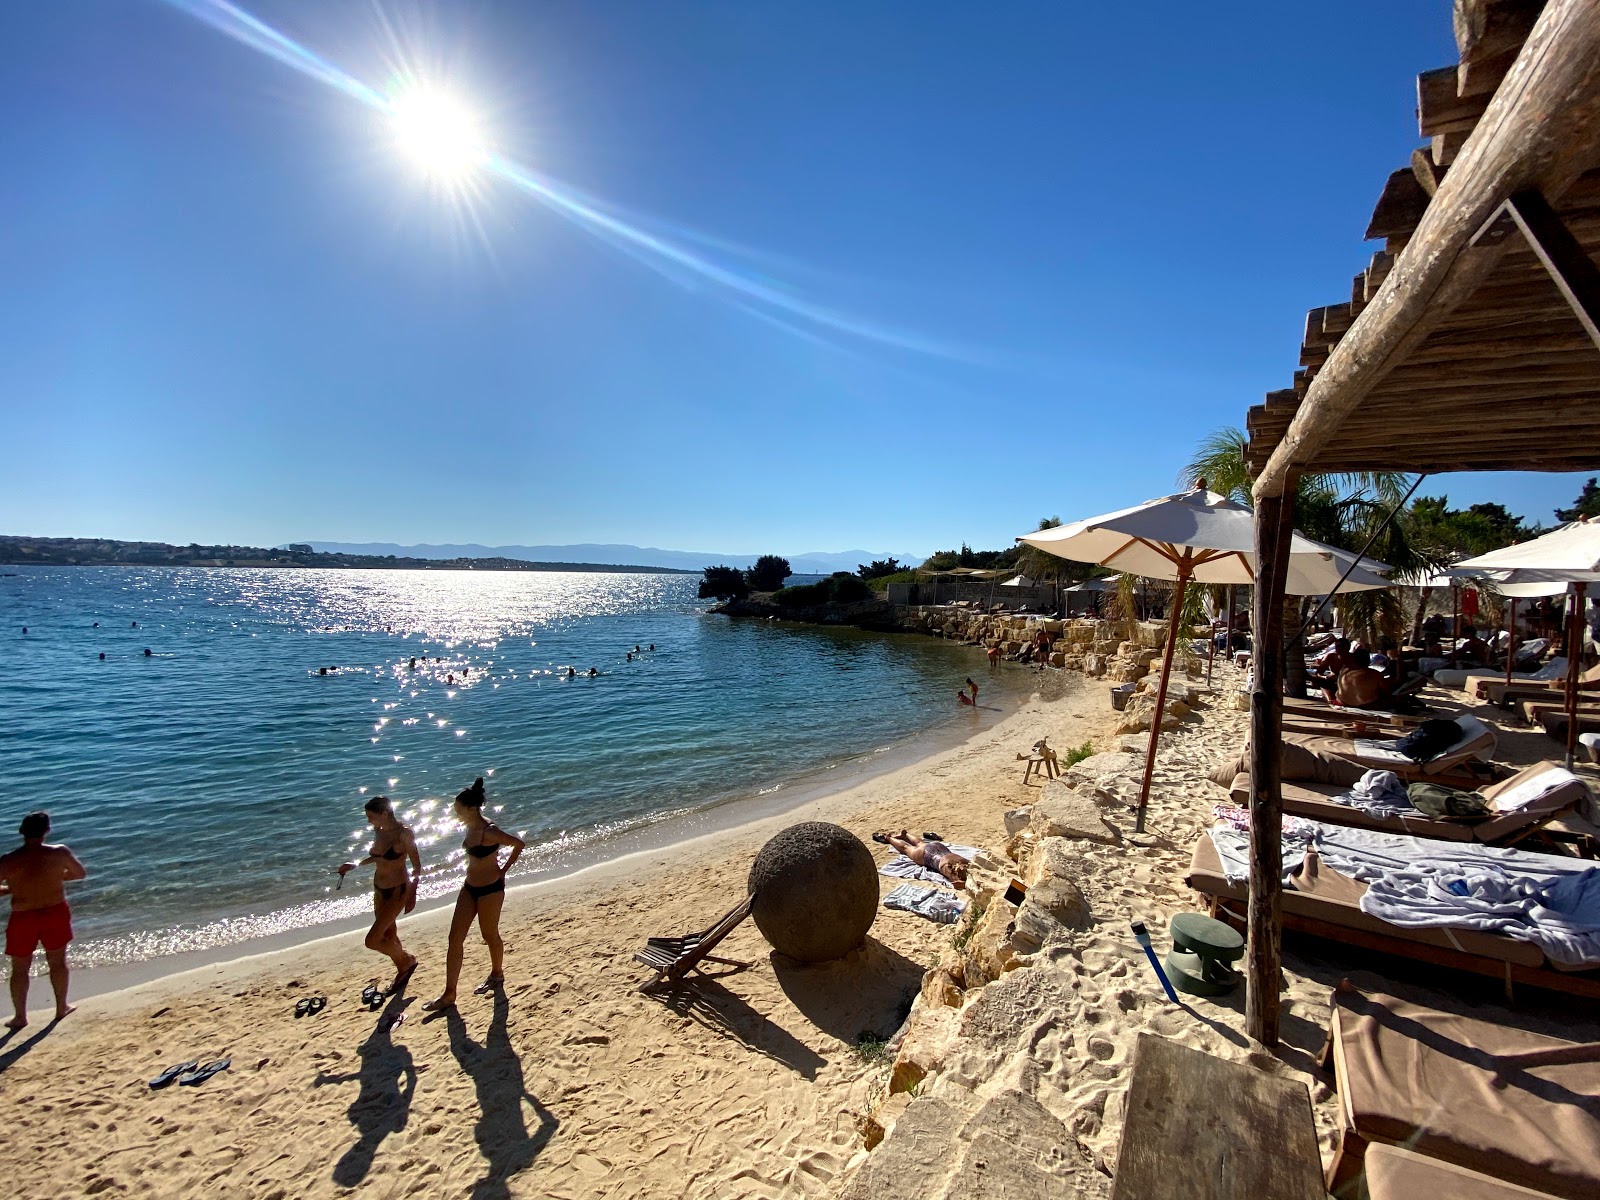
<point x="502" y="1129"/>
<point x="28" y="1042"/>
<point x="867" y="992"/>
<point x="388" y="1080"/>
<point x="703" y="1000"/>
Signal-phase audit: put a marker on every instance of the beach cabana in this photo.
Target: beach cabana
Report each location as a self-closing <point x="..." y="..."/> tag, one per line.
<point x="1194" y="537"/>
<point x="1469" y="343"/>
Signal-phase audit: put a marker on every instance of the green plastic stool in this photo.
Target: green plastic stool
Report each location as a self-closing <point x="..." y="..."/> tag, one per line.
<point x="1202" y="948"/>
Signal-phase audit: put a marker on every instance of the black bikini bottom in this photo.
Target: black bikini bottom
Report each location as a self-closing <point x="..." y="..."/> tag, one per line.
<point x="388" y="893"/>
<point x="478" y="892"/>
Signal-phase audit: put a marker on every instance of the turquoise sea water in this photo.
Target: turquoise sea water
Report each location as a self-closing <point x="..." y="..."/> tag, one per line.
<point x="212" y="786"/>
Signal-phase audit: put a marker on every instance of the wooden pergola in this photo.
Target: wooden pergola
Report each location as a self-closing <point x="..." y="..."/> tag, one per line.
<point x="1470" y="343"/>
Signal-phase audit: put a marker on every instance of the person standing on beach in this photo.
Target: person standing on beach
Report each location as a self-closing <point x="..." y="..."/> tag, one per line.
<point x="394" y="891"/>
<point x="34" y="877"/>
<point x="482" y="895"/>
<point x="974" y="688"/>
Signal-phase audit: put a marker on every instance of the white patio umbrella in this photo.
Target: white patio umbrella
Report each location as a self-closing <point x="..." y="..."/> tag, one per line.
<point x="1202" y="537"/>
<point x="1018" y="581"/>
<point x="1571" y="555"/>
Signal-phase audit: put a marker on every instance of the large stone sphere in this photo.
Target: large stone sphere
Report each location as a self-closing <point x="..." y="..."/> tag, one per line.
<point x="816" y="891"/>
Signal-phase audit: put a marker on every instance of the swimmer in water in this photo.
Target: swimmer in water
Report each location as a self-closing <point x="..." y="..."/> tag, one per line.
<point x="24" y="629"/>
<point x="630" y="656"/>
<point x="147" y="651"/>
<point x="636" y="649"/>
<point x="136" y="625"/>
<point x="572" y="672"/>
<point x="593" y="672"/>
<point x="97" y="624"/>
<point x="963" y="698"/>
<point x="450" y="680"/>
<point x="102" y="656"/>
<point x="413" y="665"/>
<point x="322" y="670"/>
<point x="465" y="671"/>
<point x="482" y="895"/>
<point x="394" y="890"/>
<point x="652" y="647"/>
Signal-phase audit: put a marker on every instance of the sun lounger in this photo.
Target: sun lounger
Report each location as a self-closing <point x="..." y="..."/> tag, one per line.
<point x="1394" y="1173"/>
<point x="1501" y="1102"/>
<point x="1294" y="710"/>
<point x="1521" y="805"/>
<point x="1332" y="910"/>
<point x="1538" y="689"/>
<point x="1315" y="757"/>
<point x="673" y="958"/>
<point x="1461" y="677"/>
<point x="1555" y="722"/>
<point x="1534" y="711"/>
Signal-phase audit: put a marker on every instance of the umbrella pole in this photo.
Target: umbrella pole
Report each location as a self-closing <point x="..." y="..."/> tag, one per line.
<point x="1174" y="615"/>
<point x="1574" y="653"/>
<point x="1511" y="639"/>
<point x="1455" y="624"/>
<point x="1211" y="648"/>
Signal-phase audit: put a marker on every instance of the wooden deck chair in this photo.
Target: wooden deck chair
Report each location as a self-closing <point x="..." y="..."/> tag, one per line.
<point x="673" y="958"/>
<point x="1320" y="710"/>
<point x="1516" y="1106"/>
<point x="1539" y="689"/>
<point x="1527" y="655"/>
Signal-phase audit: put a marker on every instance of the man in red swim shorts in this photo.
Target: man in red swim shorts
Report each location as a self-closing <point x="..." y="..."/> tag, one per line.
<point x="34" y="876"/>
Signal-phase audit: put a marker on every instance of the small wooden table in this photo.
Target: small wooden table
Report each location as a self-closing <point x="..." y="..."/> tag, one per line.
<point x="1203" y="1128"/>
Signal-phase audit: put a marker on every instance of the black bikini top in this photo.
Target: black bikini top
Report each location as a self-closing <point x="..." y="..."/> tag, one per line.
<point x="392" y="853"/>
<point x="481" y="850"/>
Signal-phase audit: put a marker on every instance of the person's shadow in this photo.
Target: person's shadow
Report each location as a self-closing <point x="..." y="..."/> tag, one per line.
<point x="388" y="1079"/>
<point x="502" y="1130"/>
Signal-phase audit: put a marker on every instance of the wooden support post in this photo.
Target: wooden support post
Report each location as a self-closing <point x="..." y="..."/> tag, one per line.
<point x="1511" y="639"/>
<point x="1174" y="616"/>
<point x="1274" y="525"/>
<point x="1574" y="654"/>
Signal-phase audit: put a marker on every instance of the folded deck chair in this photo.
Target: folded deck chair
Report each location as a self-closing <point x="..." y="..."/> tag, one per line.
<point x="1555" y="723"/>
<point x="1521" y="805"/>
<point x="1333" y="911"/>
<point x="673" y="958"/>
<point x="1516" y="1106"/>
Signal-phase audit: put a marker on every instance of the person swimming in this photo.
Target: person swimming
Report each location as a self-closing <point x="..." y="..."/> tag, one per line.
<point x="147" y="652"/>
<point x="630" y="655"/>
<point x="593" y="672"/>
<point x="963" y="698"/>
<point x="482" y="894"/>
<point x="652" y="647"/>
<point x="413" y="665"/>
<point x="102" y="656"/>
<point x="394" y="890"/>
<point x="572" y="672"/>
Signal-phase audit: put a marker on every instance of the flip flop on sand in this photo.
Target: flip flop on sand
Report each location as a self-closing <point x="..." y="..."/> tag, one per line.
<point x="881" y="837"/>
<point x="492" y="984"/>
<point x="302" y="1006"/>
<point x="315" y="1004"/>
<point x="932" y="837"/>
<point x="171" y="1073"/>
<point x="402" y="979"/>
<point x="371" y="996"/>
<point x="194" y="1078"/>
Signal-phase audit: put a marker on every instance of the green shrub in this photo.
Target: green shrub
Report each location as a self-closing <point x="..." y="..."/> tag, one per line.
<point x="1077" y="755"/>
<point x="880" y="583"/>
<point x="839" y="588"/>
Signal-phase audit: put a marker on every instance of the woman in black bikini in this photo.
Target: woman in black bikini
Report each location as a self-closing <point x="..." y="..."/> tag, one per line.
<point x="394" y="890"/>
<point x="482" y="895"/>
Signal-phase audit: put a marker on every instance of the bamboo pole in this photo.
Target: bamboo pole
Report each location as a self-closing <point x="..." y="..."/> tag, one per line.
<point x="1174" y="615"/>
<point x="1274" y="526"/>
<point x="1574" y="653"/>
<point x="1511" y="638"/>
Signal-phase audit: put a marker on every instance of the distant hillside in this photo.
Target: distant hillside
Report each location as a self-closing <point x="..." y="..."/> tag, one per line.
<point x="108" y="552"/>
<point x="810" y="563"/>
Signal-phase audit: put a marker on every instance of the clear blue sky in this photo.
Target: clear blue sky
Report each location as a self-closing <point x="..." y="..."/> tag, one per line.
<point x="231" y="312"/>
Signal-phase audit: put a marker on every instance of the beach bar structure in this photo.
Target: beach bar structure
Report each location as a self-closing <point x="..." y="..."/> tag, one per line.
<point x="1471" y="342"/>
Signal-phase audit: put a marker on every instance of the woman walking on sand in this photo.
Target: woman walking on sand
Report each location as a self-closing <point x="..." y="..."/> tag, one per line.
<point x="482" y="895"/>
<point x="394" y="890"/>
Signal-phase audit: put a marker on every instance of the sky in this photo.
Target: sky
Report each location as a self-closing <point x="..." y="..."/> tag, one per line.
<point x="720" y="276"/>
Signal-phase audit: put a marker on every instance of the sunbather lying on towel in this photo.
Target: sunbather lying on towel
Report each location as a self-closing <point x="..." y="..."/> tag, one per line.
<point x="929" y="853"/>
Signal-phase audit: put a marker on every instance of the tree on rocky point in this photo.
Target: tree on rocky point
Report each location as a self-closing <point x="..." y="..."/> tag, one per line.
<point x="723" y="583"/>
<point x="768" y="573"/>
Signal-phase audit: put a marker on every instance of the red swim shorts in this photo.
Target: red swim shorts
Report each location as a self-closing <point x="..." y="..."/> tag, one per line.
<point x="52" y="926"/>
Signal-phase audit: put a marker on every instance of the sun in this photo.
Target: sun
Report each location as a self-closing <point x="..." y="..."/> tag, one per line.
<point x="437" y="132"/>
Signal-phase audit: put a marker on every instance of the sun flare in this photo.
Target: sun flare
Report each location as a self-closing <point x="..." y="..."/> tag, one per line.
<point x="437" y="132"/>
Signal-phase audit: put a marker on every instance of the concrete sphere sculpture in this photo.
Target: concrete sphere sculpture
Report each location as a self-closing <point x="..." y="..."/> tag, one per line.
<point x="816" y="891"/>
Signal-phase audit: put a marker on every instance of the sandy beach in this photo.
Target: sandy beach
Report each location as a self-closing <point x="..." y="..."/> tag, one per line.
<point x="572" y="1084"/>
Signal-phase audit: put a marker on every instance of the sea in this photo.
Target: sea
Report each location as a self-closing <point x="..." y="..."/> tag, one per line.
<point x="205" y="739"/>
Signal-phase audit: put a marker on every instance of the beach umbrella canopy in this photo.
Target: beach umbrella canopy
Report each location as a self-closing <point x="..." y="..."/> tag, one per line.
<point x="1093" y="585"/>
<point x="1018" y="581"/>
<point x="1201" y="537"/>
<point x="1568" y="555"/>
<point x="1209" y="535"/>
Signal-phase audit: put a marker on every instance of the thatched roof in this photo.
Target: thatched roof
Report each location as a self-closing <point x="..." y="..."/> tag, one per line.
<point x="1456" y="350"/>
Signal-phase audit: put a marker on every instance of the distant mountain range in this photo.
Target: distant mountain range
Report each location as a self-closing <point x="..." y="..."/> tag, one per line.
<point x="810" y="563"/>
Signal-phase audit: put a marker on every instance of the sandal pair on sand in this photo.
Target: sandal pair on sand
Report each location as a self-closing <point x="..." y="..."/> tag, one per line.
<point x="310" y="1006"/>
<point x="191" y="1073"/>
<point x="926" y="836"/>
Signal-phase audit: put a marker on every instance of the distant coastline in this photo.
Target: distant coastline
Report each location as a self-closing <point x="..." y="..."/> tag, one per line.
<point x="108" y="552"/>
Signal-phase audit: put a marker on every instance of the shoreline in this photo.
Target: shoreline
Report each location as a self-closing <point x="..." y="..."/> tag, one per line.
<point x="669" y="832"/>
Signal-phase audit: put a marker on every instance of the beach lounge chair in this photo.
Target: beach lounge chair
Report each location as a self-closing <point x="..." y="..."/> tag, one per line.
<point x="1506" y="695"/>
<point x="1497" y="1101"/>
<point x="1528" y="654"/>
<point x="1395" y="1173"/>
<point x="673" y="958"/>
<point x="1319" y="710"/>
<point x="1315" y="757"/>
<point x="1332" y="910"/>
<point x="1555" y="722"/>
<point x="1521" y="805"/>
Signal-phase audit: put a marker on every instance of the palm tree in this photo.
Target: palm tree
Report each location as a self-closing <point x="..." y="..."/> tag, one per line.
<point x="1341" y="509"/>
